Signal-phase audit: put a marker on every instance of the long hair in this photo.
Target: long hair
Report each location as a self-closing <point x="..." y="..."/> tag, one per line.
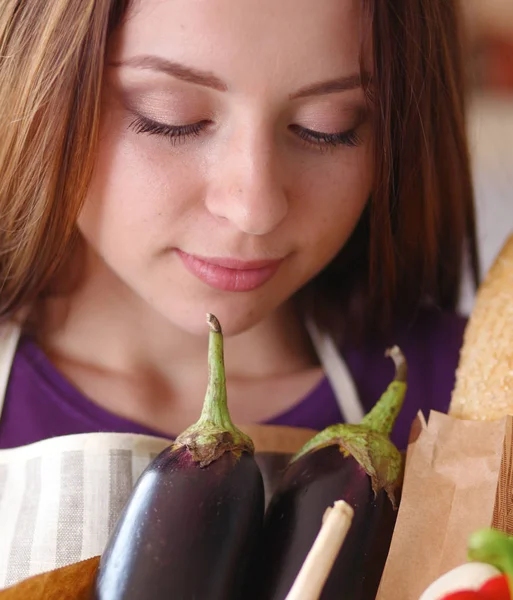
<point x="418" y="232"/>
<point x="410" y="243"/>
<point x="51" y="70"/>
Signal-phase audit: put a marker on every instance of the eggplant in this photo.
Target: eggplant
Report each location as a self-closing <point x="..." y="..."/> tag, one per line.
<point x="356" y="463"/>
<point x="189" y="528"/>
<point x="272" y="466"/>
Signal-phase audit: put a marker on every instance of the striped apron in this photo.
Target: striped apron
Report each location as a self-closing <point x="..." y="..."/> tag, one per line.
<point x="60" y="497"/>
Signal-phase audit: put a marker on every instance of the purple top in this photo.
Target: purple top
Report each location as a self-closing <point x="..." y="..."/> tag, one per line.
<point x="41" y="403"/>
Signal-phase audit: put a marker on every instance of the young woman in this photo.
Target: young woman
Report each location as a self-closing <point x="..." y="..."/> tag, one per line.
<point x="298" y="169"/>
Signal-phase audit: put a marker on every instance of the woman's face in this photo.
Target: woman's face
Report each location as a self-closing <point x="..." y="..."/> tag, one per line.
<point x="235" y="155"/>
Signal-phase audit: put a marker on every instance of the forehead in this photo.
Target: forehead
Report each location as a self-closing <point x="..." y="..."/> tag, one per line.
<point x="262" y="42"/>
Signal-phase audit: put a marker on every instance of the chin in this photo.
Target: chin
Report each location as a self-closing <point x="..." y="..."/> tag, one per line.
<point x="235" y="317"/>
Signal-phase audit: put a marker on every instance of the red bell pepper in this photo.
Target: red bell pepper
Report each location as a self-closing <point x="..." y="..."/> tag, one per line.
<point x="496" y="588"/>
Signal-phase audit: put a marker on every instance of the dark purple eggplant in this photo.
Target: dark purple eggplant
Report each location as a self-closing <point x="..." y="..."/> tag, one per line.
<point x="355" y="463"/>
<point x="190" y="525"/>
<point x="272" y="466"/>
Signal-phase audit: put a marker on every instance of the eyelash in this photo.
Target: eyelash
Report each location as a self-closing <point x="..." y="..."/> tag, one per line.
<point x="175" y="133"/>
<point x="325" y="141"/>
<point x="180" y="133"/>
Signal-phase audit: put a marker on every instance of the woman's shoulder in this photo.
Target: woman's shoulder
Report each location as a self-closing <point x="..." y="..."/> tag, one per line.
<point x="439" y="331"/>
<point x="435" y="336"/>
<point x="431" y="344"/>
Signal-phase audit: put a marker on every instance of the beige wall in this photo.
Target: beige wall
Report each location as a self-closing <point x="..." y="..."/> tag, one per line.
<point x="490" y="15"/>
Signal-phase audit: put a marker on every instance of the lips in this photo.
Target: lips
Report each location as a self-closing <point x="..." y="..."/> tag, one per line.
<point x="229" y="274"/>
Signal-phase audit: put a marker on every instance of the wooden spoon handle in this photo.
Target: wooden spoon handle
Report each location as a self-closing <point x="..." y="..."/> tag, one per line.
<point x="317" y="566"/>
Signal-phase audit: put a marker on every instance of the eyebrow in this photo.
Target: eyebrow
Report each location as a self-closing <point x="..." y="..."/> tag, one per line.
<point x="174" y="69"/>
<point x="207" y="79"/>
<point x="333" y="86"/>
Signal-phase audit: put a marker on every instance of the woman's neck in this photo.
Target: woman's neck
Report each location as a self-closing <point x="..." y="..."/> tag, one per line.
<point x="132" y="361"/>
<point x="102" y="322"/>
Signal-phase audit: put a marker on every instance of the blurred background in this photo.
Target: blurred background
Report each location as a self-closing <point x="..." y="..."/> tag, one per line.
<point x="490" y="34"/>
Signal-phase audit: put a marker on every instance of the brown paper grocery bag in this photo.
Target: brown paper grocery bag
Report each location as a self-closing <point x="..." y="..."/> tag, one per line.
<point x="503" y="510"/>
<point x="450" y="486"/>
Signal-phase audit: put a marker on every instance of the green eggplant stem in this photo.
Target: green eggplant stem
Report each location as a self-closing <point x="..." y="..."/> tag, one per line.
<point x="215" y="407"/>
<point x="214" y="433"/>
<point x="380" y="419"/>
<point x="369" y="441"/>
<point x="493" y="547"/>
<point x="383" y="415"/>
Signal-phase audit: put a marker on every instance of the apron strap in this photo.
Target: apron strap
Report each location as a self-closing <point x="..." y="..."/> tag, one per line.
<point x="337" y="374"/>
<point x="9" y="336"/>
<point x="333" y="364"/>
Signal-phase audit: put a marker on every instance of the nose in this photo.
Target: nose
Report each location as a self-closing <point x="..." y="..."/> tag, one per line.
<point x="248" y="190"/>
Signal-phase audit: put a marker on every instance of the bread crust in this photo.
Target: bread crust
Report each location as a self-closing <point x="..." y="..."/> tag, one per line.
<point x="484" y="378"/>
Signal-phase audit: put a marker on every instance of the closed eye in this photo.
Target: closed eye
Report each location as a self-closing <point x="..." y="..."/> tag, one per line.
<point x="325" y="140"/>
<point x="175" y="133"/>
<point x="181" y="133"/>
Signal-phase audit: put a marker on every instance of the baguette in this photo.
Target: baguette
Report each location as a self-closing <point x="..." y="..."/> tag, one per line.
<point x="484" y="378"/>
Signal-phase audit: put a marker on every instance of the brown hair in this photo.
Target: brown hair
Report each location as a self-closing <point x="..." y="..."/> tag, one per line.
<point x="408" y="247"/>
<point x="51" y="71"/>
<point x="418" y="231"/>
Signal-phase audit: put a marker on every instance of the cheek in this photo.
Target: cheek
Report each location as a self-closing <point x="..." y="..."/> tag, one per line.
<point x="333" y="199"/>
<point x="137" y="193"/>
